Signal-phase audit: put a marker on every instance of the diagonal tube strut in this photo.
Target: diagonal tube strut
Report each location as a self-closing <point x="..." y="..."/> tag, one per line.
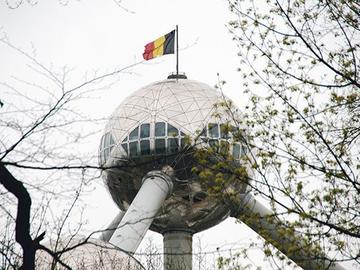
<point x="256" y="216"/>
<point x="156" y="187"/>
<point x="109" y="231"/>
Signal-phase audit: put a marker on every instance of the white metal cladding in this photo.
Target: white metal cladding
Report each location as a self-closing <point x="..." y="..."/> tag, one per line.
<point x="185" y="104"/>
<point x="185" y="108"/>
<point x="182" y="103"/>
<point x="92" y="254"/>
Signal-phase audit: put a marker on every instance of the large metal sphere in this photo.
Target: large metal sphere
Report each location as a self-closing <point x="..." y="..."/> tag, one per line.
<point x="148" y="132"/>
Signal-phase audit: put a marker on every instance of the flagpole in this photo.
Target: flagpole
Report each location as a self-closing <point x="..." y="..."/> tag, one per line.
<point x="177" y="50"/>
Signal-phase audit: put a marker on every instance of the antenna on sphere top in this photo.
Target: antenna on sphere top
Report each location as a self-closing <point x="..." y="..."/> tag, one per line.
<point x="177" y="50"/>
<point x="176" y="75"/>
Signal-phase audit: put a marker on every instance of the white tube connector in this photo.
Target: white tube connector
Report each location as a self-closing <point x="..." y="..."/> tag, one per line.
<point x="156" y="187"/>
<point x="109" y="231"/>
<point x="256" y="216"/>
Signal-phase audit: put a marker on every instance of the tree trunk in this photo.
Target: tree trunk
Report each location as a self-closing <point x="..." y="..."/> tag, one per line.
<point x="22" y="229"/>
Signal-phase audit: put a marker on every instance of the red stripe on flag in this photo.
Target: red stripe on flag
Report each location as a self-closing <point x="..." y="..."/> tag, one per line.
<point x="148" y="53"/>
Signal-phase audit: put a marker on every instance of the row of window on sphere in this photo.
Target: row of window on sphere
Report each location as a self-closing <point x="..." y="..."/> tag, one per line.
<point x="168" y="139"/>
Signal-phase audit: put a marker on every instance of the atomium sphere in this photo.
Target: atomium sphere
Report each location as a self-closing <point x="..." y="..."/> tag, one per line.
<point x="89" y="254"/>
<point x="150" y="130"/>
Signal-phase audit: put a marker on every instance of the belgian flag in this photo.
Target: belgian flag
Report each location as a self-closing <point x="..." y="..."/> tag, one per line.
<point x="162" y="45"/>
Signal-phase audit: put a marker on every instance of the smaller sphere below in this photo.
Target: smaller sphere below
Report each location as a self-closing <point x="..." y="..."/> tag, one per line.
<point x="92" y="255"/>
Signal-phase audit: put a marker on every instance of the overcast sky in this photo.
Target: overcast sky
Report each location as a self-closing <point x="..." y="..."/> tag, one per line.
<point x="99" y="36"/>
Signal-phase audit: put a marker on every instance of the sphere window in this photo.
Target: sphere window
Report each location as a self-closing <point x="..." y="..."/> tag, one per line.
<point x="224" y="131"/>
<point x="159" y="129"/>
<point x="160" y="146"/>
<point x="134" y="134"/>
<point x="145" y="147"/>
<point x="236" y="151"/>
<point x="214" y="143"/>
<point x="173" y="145"/>
<point x="133" y="147"/>
<point x="125" y="147"/>
<point x="224" y="147"/>
<point x="145" y="131"/>
<point x="183" y="142"/>
<point x="218" y="137"/>
<point x="213" y="130"/>
<point x="140" y="141"/>
<point x="172" y="131"/>
<point x="106" y="145"/>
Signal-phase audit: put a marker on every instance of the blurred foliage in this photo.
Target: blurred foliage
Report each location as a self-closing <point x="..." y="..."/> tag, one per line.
<point x="299" y="61"/>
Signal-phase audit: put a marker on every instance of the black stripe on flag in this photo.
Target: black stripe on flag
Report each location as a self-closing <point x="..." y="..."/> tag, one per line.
<point x="169" y="42"/>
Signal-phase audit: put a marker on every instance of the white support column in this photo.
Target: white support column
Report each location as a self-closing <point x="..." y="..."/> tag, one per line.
<point x="143" y="209"/>
<point x="255" y="216"/>
<point x="109" y="231"/>
<point x="177" y="250"/>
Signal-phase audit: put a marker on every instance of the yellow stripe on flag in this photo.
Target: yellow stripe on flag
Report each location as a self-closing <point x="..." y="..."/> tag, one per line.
<point x="159" y="46"/>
